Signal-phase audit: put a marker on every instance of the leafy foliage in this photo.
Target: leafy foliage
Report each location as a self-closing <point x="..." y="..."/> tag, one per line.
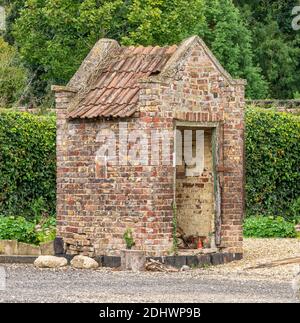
<point x="17" y="229"/>
<point x="273" y="164"/>
<point x="27" y="164"/>
<point x="45" y="230"/>
<point x="22" y="230"/>
<point x="253" y="39"/>
<point x="12" y="8"/>
<point x="230" y="39"/>
<point x="53" y="36"/>
<point x="161" y="22"/>
<point x="12" y="75"/>
<point x="268" y="227"/>
<point x="276" y="48"/>
<point x="297" y="95"/>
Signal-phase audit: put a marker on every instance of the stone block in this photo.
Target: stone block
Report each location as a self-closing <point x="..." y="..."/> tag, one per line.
<point x="134" y="260"/>
<point x="8" y="247"/>
<point x="47" y="248"/>
<point x="25" y="249"/>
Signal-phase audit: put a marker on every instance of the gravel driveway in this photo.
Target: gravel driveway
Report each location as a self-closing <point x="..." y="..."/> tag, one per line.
<point x="27" y="284"/>
<point x="228" y="283"/>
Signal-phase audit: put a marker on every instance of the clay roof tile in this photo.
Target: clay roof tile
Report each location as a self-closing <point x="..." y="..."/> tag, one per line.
<point x="114" y="91"/>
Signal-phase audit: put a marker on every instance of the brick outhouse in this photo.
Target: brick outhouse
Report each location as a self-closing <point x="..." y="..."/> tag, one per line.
<point x="150" y="139"/>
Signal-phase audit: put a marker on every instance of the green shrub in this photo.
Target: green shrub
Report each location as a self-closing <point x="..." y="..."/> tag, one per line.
<point x="27" y="164"/>
<point x="272" y="162"/>
<point x="268" y="227"/>
<point x="33" y="232"/>
<point x="17" y="229"/>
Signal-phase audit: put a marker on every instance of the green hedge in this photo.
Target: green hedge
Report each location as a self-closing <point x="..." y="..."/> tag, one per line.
<point x="272" y="163"/>
<point x="27" y="164"/>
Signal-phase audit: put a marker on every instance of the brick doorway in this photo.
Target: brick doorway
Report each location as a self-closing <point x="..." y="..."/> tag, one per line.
<point x="195" y="182"/>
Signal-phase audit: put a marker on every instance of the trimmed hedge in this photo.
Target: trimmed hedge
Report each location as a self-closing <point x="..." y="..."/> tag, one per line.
<point x="28" y="167"/>
<point x="272" y="162"/>
<point x="27" y="164"/>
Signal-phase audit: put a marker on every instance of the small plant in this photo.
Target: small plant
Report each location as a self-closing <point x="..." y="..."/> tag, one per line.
<point x="128" y="237"/>
<point x="19" y="228"/>
<point x="268" y="227"/>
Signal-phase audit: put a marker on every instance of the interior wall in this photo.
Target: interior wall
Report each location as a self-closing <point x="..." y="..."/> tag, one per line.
<point x="195" y="195"/>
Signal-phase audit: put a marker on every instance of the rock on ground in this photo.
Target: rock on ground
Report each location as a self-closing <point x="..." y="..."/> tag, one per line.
<point x="50" y="262"/>
<point x="83" y="262"/>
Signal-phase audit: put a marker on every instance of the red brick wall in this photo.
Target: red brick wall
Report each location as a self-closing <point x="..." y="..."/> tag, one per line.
<point x="95" y="208"/>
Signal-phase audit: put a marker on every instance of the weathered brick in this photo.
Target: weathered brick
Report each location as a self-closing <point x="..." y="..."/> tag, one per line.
<point x="96" y="203"/>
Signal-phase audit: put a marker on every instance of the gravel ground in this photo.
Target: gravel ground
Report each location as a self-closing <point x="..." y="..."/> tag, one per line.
<point x="259" y="251"/>
<point x="226" y="283"/>
<point x="27" y="284"/>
